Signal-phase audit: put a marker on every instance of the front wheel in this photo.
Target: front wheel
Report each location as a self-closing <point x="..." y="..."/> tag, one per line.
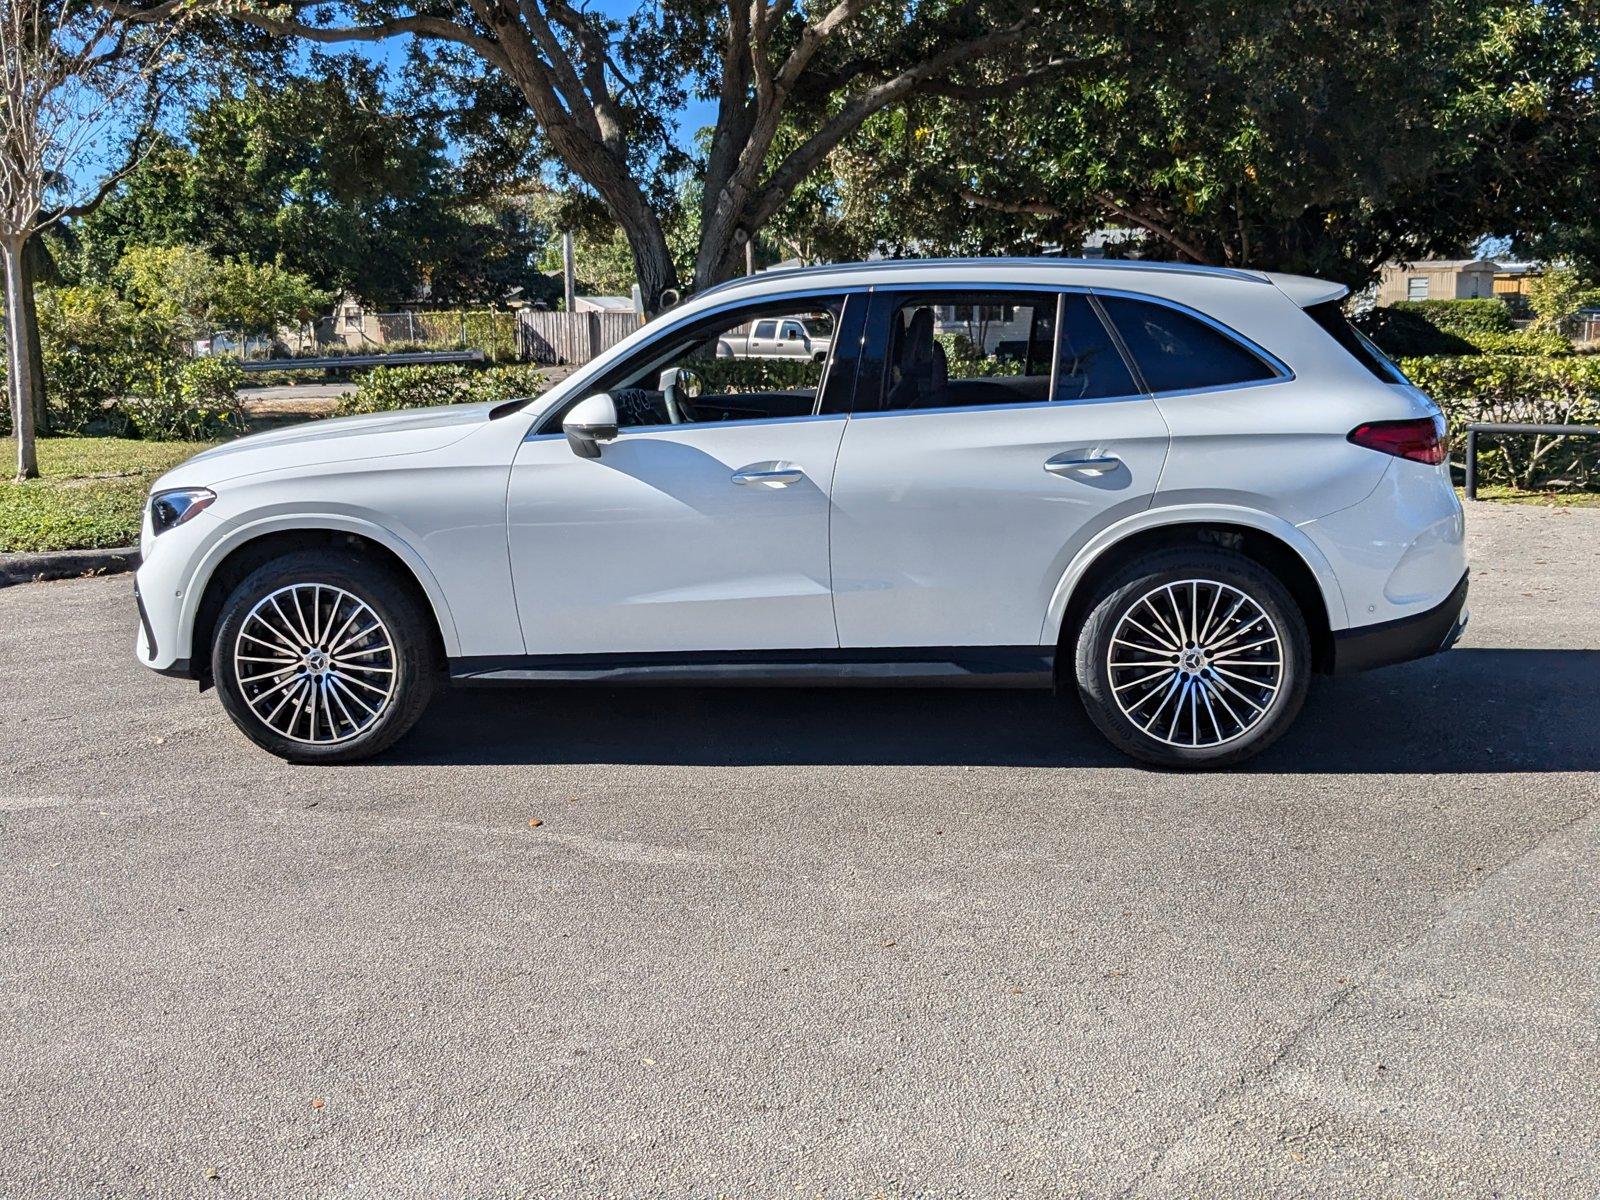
<point x="1193" y="658"/>
<point x="322" y="657"/>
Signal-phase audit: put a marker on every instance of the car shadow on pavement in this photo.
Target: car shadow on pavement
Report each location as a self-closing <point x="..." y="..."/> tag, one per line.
<point x="1472" y="710"/>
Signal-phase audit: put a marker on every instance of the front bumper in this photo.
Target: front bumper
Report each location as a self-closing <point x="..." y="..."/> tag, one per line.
<point x="1417" y="636"/>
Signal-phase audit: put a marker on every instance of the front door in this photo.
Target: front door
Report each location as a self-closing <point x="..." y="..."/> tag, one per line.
<point x="985" y="450"/>
<point x="705" y="533"/>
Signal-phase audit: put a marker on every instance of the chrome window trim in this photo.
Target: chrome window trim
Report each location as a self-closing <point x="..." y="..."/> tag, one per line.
<point x="634" y="431"/>
<point x="982" y="408"/>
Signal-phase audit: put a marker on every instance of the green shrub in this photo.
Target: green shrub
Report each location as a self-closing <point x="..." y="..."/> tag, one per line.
<point x="963" y="359"/>
<point x="499" y="384"/>
<point x="1403" y="333"/>
<point x="95" y="346"/>
<point x="389" y="389"/>
<point x="1525" y="388"/>
<point x="730" y="376"/>
<point x="192" y="400"/>
<point x="1465" y="317"/>
<point x="1522" y="341"/>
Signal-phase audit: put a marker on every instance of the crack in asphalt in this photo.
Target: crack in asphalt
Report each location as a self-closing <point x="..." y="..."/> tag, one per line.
<point x="1457" y="903"/>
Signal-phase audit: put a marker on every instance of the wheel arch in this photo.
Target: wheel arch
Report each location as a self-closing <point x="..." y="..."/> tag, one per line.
<point x="251" y="546"/>
<point x="1275" y="544"/>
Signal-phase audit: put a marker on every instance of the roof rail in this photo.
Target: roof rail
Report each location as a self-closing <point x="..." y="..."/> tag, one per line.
<point x="1096" y="264"/>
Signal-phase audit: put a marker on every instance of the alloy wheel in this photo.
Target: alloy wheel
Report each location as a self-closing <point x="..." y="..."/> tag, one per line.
<point x="315" y="663"/>
<point x="1195" y="663"/>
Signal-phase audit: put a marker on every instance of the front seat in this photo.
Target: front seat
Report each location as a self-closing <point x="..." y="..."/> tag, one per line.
<point x="920" y="366"/>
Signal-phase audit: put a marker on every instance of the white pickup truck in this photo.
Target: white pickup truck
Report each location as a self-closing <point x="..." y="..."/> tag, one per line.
<point x="778" y="337"/>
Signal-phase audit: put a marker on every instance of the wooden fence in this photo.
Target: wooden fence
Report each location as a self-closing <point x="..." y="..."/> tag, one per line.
<point x="569" y="337"/>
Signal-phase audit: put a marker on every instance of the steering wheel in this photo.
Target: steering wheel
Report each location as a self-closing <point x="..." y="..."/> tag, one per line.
<point x="678" y="386"/>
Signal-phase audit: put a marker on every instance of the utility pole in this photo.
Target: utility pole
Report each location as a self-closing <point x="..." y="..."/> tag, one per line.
<point x="569" y="278"/>
<point x="750" y="256"/>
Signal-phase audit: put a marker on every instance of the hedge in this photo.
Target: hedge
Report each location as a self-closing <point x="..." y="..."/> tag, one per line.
<point x="1421" y="328"/>
<point x="1524" y="388"/>
<point x="1464" y="317"/>
<point x="387" y="389"/>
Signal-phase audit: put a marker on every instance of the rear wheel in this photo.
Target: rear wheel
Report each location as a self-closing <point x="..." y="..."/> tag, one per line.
<point x="1193" y="658"/>
<point x="323" y="656"/>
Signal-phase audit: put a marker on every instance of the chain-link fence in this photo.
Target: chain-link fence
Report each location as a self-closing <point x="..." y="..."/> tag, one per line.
<point x="358" y="332"/>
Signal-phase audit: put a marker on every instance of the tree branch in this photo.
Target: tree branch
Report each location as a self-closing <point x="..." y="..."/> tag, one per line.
<point x="1151" y="225"/>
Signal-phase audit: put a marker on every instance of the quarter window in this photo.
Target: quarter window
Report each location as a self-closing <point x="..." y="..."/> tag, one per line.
<point x="1176" y="352"/>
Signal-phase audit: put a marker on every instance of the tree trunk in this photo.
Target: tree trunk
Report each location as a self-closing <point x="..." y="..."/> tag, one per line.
<point x="651" y="259"/>
<point x="30" y="327"/>
<point x="19" y="350"/>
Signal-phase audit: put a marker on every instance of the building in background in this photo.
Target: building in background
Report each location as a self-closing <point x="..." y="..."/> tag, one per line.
<point x="1438" y="279"/>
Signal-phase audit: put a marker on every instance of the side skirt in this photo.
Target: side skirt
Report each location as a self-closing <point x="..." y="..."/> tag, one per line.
<point x="915" y="666"/>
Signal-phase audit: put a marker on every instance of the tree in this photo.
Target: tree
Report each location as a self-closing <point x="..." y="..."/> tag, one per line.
<point x="604" y="91"/>
<point x="189" y="294"/>
<point x="77" y="95"/>
<point x="331" y="173"/>
<point x="1325" y="137"/>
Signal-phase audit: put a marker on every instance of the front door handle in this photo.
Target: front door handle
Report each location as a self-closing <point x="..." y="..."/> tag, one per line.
<point x="1075" y="463"/>
<point x="772" y="477"/>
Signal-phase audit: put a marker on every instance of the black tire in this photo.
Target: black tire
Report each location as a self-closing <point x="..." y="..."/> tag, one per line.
<point x="1262" y="717"/>
<point x="413" y="660"/>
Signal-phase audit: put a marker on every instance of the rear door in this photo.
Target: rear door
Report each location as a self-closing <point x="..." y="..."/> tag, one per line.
<point x="993" y="434"/>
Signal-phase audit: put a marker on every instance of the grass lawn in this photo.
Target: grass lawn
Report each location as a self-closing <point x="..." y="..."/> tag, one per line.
<point x="89" y="494"/>
<point x="1510" y="495"/>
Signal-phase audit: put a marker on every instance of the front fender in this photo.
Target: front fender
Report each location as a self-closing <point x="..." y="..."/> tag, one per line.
<point x="235" y="535"/>
<point x="1193" y="514"/>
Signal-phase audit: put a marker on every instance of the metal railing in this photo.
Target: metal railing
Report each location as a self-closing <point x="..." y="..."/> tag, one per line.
<point x="1513" y="427"/>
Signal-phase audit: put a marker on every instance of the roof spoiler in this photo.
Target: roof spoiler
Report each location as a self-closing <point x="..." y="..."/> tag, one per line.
<point x="1306" y="291"/>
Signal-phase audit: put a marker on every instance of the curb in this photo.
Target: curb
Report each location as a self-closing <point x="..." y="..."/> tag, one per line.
<point x="66" y="564"/>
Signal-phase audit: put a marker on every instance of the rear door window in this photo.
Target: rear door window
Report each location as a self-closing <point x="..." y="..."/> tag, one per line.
<point x="1177" y="352"/>
<point x="967" y="349"/>
<point x="1091" y="366"/>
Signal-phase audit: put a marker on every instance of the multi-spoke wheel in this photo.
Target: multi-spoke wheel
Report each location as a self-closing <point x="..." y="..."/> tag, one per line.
<point x="1193" y="657"/>
<point x="315" y="663"/>
<point x="323" y="657"/>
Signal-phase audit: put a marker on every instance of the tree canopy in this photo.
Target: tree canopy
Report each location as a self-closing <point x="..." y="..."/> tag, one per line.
<point x="325" y="175"/>
<point x="1322" y="136"/>
<point x="605" y="92"/>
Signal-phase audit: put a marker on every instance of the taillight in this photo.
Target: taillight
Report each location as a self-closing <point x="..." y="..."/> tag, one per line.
<point x="1421" y="440"/>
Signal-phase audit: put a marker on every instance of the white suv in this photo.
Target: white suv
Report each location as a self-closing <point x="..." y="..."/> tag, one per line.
<point x="1178" y="491"/>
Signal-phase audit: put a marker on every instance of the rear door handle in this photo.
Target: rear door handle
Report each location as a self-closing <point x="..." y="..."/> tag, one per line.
<point x="773" y="477"/>
<point x="1075" y="463"/>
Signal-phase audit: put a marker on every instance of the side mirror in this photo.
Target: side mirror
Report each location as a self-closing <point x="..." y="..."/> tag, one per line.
<point x="591" y="422"/>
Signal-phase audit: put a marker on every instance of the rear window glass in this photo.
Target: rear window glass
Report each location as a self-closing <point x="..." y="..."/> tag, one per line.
<point x="1176" y="352"/>
<point x="1331" y="317"/>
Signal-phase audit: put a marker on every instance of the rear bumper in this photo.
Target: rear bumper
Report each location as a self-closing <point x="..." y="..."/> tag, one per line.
<point x="1417" y="636"/>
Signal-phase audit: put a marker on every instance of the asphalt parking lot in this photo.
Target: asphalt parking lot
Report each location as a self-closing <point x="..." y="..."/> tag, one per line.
<point x="843" y="943"/>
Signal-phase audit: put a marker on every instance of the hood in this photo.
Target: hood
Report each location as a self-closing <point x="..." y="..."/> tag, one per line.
<point x="412" y="431"/>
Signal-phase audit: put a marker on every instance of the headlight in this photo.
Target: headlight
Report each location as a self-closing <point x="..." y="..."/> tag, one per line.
<point x="171" y="509"/>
